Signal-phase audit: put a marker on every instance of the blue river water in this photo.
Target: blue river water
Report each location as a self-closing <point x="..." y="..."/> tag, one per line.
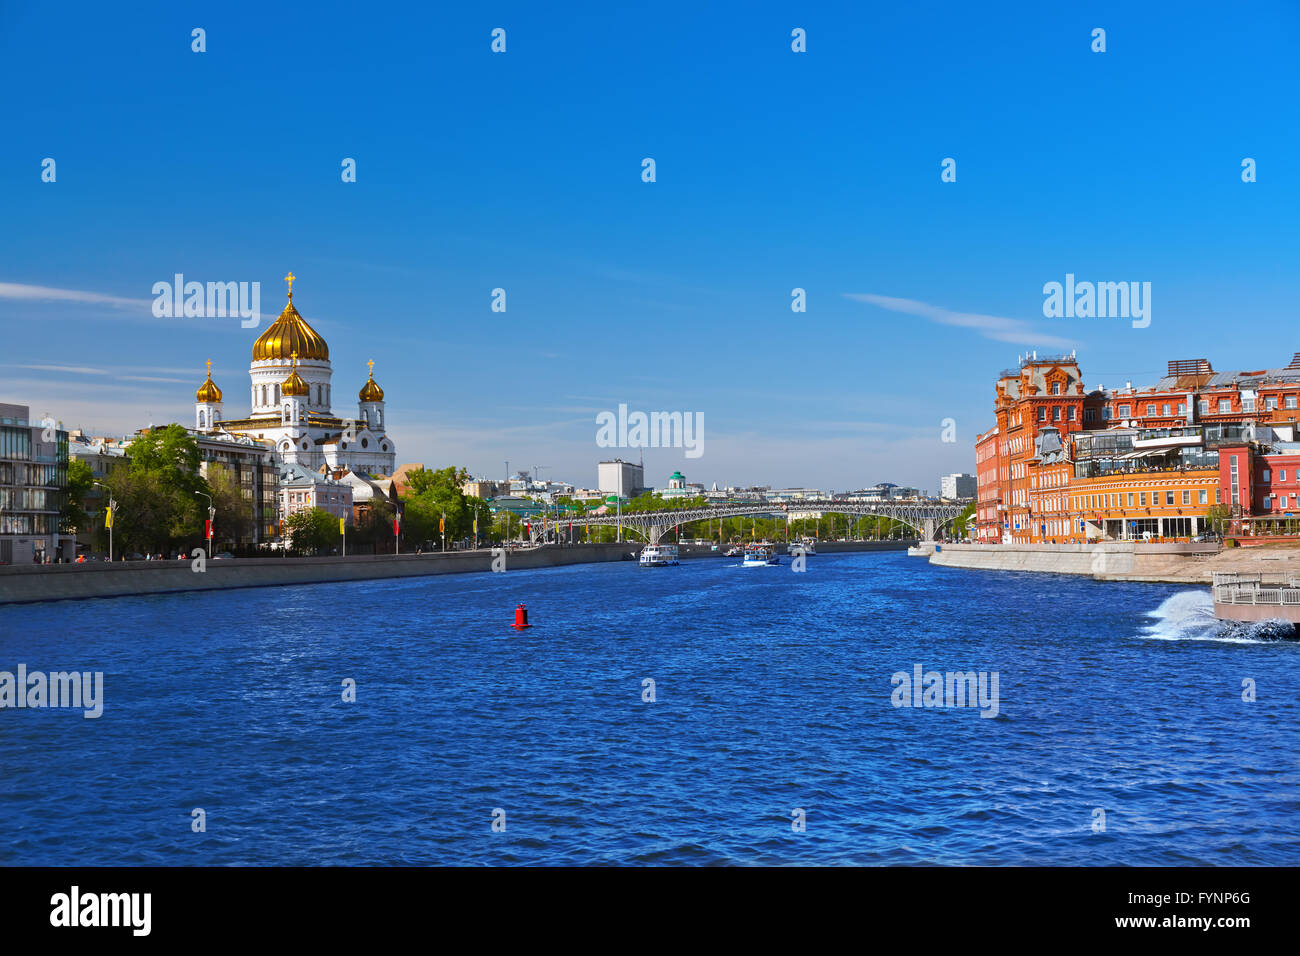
<point x="773" y="694"/>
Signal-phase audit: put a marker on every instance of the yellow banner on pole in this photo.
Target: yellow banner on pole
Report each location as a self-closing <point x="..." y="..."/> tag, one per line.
<point x="341" y="528"/>
<point x="108" y="517"/>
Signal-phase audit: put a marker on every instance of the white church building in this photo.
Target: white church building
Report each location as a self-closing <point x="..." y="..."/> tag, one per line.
<point x="290" y="401"/>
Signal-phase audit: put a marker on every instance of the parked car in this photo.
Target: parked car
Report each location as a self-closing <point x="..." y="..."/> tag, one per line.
<point x="223" y="556"/>
<point x="134" y="556"/>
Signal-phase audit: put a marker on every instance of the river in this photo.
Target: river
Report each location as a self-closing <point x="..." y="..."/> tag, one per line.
<point x="1118" y="734"/>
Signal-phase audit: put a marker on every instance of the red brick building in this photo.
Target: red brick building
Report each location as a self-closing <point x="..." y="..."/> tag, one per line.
<point x="988" y="481"/>
<point x="1042" y="392"/>
<point x="1166" y="454"/>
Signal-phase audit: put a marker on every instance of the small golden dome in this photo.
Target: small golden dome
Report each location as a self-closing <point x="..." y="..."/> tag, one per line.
<point x="208" y="391"/>
<point x="288" y="334"/>
<point x="371" y="392"/>
<point x="293" y="385"/>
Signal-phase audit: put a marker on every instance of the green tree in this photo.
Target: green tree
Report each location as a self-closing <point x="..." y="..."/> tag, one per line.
<point x="312" y="530"/>
<point x="434" y="495"/>
<point x="373" y="529"/>
<point x="72" y="515"/>
<point x="158" y="509"/>
<point x="958" y="526"/>
<point x="234" y="521"/>
<point x="1217" y="517"/>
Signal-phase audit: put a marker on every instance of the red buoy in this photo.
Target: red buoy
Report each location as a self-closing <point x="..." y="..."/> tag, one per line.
<point x="521" y="618"/>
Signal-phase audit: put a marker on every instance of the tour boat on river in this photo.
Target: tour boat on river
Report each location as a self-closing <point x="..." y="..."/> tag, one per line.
<point x="658" y="555"/>
<point x="759" y="555"/>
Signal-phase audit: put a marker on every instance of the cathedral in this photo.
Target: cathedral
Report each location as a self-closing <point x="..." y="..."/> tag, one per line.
<point x="291" y="404"/>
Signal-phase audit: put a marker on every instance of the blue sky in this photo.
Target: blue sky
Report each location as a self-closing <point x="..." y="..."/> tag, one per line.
<point x="522" y="170"/>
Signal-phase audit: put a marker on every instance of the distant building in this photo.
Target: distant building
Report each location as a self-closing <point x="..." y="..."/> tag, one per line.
<point x="797" y="494"/>
<point x="253" y="468"/>
<point x="515" y="505"/>
<point x="484" y="488"/>
<point x="957" y="486"/>
<point x="366" y="491"/>
<point x="302" y="489"/>
<point x="619" y="477"/>
<point x="678" y="488"/>
<point x="885" y="491"/>
<point x="33" y="486"/>
<point x="400" y="477"/>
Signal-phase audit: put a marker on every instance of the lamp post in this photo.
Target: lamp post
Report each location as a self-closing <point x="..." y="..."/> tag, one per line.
<point x="212" y="516"/>
<point x="112" y="506"/>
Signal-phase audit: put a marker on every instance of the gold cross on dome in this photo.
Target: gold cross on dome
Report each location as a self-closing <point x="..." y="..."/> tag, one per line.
<point x="371" y="363"/>
<point x="289" y="279"/>
<point x="294" y="357"/>
<point x="209" y="368"/>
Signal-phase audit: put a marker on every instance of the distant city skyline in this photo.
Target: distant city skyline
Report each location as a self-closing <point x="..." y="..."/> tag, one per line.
<point x="522" y="171"/>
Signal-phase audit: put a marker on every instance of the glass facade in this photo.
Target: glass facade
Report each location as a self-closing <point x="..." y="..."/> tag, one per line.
<point x="33" y="485"/>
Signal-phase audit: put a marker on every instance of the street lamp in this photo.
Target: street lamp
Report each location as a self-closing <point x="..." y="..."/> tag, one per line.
<point x="212" y="516"/>
<point x="112" y="506"/>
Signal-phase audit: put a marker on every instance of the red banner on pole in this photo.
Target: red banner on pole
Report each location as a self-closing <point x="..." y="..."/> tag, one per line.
<point x="208" y="529"/>
<point x="394" y="527"/>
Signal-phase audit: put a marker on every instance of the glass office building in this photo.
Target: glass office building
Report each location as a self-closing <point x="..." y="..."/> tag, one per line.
<point x="33" y="484"/>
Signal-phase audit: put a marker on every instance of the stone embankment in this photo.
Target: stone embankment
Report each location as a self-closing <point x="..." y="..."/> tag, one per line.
<point x="56" y="582"/>
<point x="1118" y="560"/>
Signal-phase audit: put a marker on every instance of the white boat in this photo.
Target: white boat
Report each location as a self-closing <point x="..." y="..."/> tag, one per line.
<point x="809" y="546"/>
<point x="658" y="555"/>
<point x="759" y="555"/>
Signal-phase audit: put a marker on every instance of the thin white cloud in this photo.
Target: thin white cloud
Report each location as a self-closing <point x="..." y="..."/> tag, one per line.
<point x="41" y="293"/>
<point x="73" y="369"/>
<point x="995" y="327"/>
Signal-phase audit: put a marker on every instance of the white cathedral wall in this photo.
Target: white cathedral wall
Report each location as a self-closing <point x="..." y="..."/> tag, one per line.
<point x="267" y="374"/>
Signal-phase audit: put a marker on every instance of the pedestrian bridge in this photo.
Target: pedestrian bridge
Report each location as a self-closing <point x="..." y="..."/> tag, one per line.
<point x="926" y="517"/>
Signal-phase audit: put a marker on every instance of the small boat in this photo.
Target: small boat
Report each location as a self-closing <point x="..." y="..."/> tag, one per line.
<point x="658" y="555"/>
<point x="759" y="555"/>
<point x="733" y="553"/>
<point x="809" y="546"/>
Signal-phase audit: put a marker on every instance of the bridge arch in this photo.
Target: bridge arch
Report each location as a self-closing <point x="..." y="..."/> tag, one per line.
<point x="926" y="518"/>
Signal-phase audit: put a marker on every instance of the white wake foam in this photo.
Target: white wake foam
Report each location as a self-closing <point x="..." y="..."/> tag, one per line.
<point x="1189" y="616"/>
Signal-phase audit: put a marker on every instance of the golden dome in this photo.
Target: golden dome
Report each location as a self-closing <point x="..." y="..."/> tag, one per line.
<point x="371" y="392"/>
<point x="288" y="334"/>
<point x="293" y="385"/>
<point x="208" y="391"/>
